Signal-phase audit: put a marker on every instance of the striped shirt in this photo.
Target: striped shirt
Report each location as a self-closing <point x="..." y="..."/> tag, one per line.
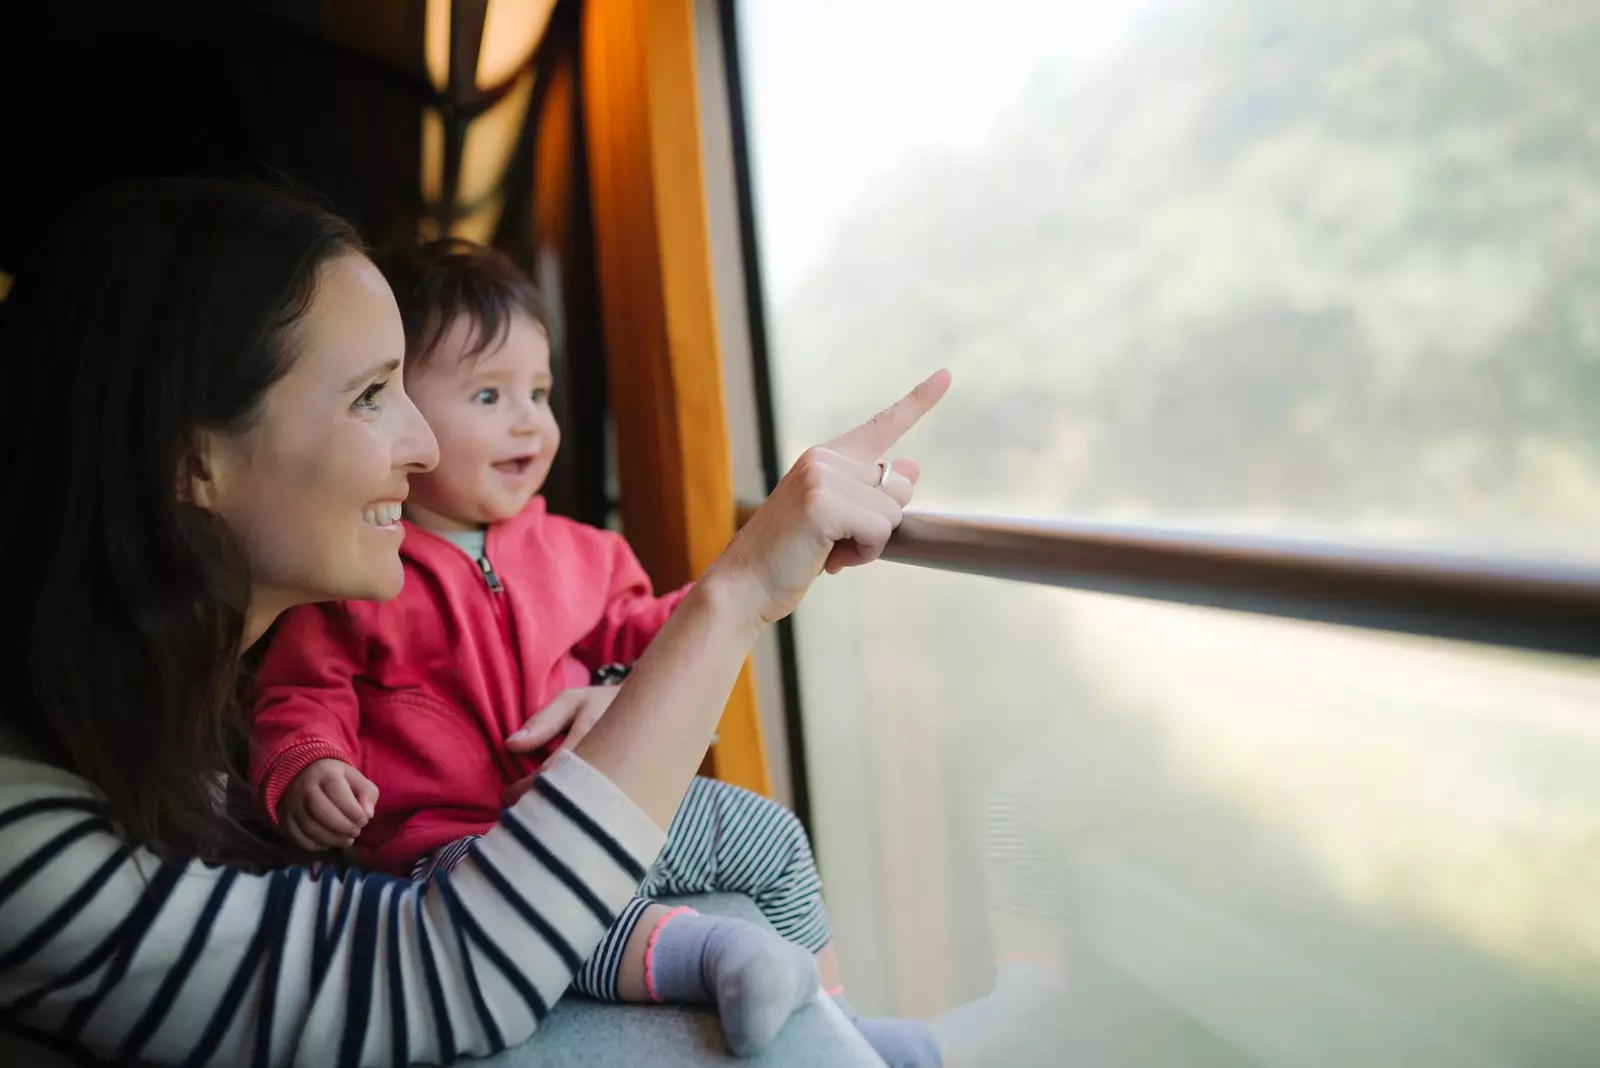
<point x="181" y="963"/>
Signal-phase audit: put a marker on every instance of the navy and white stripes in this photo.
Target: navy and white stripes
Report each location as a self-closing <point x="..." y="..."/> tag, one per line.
<point x="600" y="973"/>
<point x="181" y="963"/>
<point x="722" y="838"/>
<point x="725" y="839"/>
<point x="1023" y="873"/>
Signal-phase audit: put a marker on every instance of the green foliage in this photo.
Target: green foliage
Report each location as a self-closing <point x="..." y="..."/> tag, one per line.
<point x="1333" y="264"/>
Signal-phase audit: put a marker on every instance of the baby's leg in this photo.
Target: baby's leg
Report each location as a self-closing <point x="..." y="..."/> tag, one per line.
<point x="615" y="970"/>
<point x="653" y="953"/>
<point x="656" y="953"/>
<point x="444" y="859"/>
<point x="723" y="838"/>
<point x="726" y="839"/>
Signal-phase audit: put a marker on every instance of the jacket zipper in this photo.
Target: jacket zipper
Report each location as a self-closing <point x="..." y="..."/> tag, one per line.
<point x="497" y="591"/>
<point x="489" y="576"/>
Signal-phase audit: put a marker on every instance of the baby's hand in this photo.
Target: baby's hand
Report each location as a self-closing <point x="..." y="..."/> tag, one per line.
<point x="326" y="805"/>
<point x="574" y="712"/>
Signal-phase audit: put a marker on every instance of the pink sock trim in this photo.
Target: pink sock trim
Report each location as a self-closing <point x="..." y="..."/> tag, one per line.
<point x="835" y="992"/>
<point x="650" y="948"/>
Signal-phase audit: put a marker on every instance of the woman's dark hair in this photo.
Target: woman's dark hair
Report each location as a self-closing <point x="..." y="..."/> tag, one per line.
<point x="437" y="282"/>
<point x="151" y="312"/>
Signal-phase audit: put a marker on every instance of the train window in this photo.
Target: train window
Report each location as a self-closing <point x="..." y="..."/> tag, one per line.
<point x="1288" y="268"/>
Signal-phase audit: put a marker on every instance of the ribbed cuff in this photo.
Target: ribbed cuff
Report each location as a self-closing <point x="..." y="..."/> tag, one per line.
<point x="289" y="764"/>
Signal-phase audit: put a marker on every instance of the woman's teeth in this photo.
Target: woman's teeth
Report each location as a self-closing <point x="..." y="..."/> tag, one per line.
<point x="382" y="515"/>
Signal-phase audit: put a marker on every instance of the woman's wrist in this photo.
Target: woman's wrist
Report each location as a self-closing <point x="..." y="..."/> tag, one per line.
<point x="731" y="598"/>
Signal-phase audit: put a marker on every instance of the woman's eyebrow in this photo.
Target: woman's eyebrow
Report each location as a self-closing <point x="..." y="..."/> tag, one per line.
<point x="387" y="367"/>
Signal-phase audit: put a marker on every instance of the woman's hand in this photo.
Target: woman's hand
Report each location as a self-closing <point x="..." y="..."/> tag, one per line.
<point x="828" y="513"/>
<point x="831" y="511"/>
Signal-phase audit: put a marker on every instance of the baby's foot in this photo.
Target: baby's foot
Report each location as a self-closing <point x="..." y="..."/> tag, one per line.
<point x="756" y="978"/>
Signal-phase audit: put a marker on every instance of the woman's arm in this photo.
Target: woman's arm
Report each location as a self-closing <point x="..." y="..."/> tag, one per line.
<point x="181" y="963"/>
<point x="827" y="513"/>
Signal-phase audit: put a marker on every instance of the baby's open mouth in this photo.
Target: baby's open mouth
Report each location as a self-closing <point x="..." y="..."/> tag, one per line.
<point x="515" y="466"/>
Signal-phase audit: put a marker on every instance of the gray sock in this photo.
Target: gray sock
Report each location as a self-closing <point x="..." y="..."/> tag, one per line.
<point x="902" y="1043"/>
<point x="756" y="978"/>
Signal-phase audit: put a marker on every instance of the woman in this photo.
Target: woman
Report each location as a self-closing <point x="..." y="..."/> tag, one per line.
<point x="205" y="401"/>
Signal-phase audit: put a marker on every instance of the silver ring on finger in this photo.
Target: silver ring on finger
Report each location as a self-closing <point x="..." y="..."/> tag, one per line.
<point x="885" y="470"/>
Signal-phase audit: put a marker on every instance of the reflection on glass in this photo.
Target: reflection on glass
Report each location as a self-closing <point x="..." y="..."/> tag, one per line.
<point x="1062" y="823"/>
<point x="1324" y="268"/>
<point x="491" y="138"/>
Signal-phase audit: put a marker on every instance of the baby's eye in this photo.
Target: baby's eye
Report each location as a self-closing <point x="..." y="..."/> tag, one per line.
<point x="540" y="396"/>
<point x="486" y="396"/>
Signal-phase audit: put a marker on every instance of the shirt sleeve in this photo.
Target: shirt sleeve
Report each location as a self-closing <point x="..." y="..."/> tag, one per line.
<point x="178" y="962"/>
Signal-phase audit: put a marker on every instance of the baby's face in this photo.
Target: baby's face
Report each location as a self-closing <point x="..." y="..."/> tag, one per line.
<point x="497" y="435"/>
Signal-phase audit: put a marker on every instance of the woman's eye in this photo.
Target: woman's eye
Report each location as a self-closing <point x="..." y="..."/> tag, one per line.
<point x="368" y="401"/>
<point x="486" y="396"/>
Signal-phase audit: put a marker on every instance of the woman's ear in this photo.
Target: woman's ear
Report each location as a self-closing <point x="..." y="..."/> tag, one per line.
<point x="197" y="472"/>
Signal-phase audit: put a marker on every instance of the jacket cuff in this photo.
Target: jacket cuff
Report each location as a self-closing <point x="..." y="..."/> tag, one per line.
<point x="287" y="765"/>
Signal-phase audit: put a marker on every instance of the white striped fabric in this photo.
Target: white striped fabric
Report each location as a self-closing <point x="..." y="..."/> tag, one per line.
<point x="104" y="946"/>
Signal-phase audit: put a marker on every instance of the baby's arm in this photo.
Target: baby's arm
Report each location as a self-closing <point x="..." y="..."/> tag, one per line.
<point x="304" y="740"/>
<point x="633" y="614"/>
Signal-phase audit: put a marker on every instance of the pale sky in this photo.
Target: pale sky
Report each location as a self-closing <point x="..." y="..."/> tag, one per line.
<point x="841" y="92"/>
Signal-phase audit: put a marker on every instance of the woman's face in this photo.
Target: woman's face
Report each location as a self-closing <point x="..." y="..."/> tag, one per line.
<point x="312" y="490"/>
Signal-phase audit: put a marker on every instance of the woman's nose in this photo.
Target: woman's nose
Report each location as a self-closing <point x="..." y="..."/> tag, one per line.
<point x="417" y="449"/>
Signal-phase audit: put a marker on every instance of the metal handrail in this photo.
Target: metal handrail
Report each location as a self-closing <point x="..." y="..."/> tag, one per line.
<point x="1524" y="603"/>
<point x="1517" y="602"/>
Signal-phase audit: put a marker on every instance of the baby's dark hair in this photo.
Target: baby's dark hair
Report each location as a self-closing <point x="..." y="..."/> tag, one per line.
<point x="437" y="282"/>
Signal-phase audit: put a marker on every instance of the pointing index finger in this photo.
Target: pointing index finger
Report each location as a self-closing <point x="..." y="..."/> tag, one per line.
<point x="877" y="435"/>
